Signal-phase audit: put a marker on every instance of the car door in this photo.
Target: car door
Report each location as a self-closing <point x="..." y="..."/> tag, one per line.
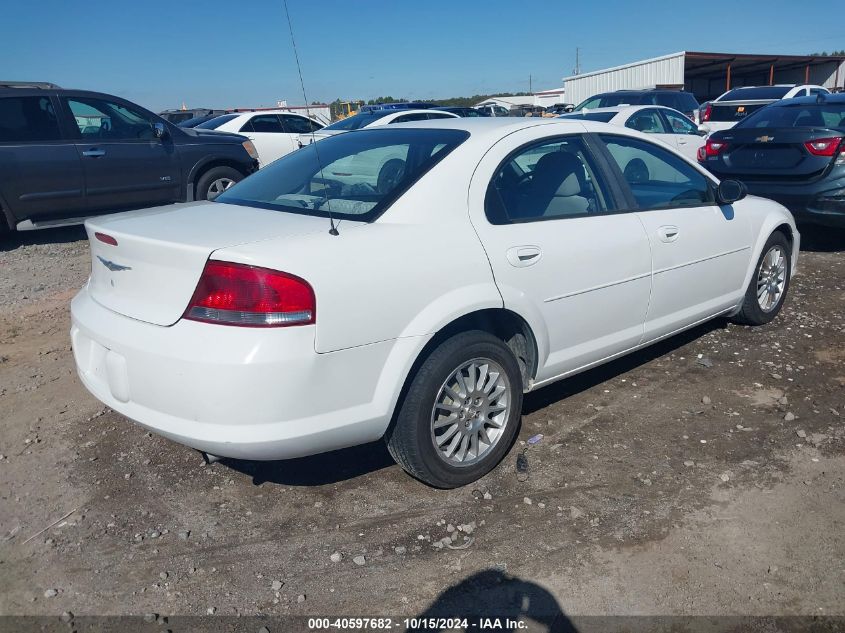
<point x="268" y="135"/>
<point x="125" y="165"/>
<point x="40" y="170"/>
<point x="686" y="134"/>
<point x="561" y="255"/>
<point x="700" y="251"/>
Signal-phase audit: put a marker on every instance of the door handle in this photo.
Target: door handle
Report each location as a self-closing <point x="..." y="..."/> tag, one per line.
<point x="521" y="256"/>
<point x="668" y="233"/>
<point x="94" y="152"/>
<point x="682" y="141"/>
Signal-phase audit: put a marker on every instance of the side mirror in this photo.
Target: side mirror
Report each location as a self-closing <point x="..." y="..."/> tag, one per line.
<point x="729" y="191"/>
<point x="703" y="130"/>
<point x="160" y="130"/>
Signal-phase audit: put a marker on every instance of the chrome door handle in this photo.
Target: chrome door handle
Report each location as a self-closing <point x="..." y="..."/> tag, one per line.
<point x="682" y="141"/>
<point x="521" y="256"/>
<point x="668" y="233"/>
<point x="94" y="153"/>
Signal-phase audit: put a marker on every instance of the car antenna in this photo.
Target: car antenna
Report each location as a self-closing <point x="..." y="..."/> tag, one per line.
<point x="332" y="227"/>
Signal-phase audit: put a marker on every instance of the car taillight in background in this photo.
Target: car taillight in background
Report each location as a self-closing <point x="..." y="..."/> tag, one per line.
<point x="237" y="294"/>
<point x="711" y="148"/>
<point x="708" y="110"/>
<point x="824" y="146"/>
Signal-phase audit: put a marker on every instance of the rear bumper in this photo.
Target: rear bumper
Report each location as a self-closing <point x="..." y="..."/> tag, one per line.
<point x="248" y="393"/>
<point x="821" y="202"/>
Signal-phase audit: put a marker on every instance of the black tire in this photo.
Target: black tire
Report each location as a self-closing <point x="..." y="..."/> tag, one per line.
<point x="752" y="313"/>
<point x="213" y="175"/>
<point x="411" y="440"/>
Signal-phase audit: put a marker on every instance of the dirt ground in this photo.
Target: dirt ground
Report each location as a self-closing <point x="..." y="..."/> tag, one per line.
<point x="705" y="475"/>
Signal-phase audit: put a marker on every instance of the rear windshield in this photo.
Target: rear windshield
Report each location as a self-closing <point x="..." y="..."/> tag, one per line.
<point x="601" y="117"/>
<point x="804" y="115"/>
<point x="732" y="113"/>
<point x="761" y="92"/>
<point x="216" y="122"/>
<point x="359" y="120"/>
<point x="354" y="176"/>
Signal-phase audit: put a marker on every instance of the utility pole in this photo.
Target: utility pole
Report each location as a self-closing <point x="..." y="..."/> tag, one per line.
<point x="577" y="70"/>
<point x="529" y="84"/>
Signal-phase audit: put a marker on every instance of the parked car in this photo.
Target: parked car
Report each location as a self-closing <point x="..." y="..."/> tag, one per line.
<point x="792" y="151"/>
<point x="670" y="126"/>
<point x="399" y="105"/>
<point x="494" y="110"/>
<point x="374" y="118"/>
<point x="526" y="111"/>
<point x="490" y="258"/>
<point x="180" y="116"/>
<point x="676" y="99"/>
<point x="274" y="132"/>
<point x="734" y="105"/>
<point x="560" y="108"/>
<point x="463" y="112"/>
<point x="68" y="154"/>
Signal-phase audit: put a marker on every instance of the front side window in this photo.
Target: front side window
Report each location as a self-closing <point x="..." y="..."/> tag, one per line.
<point x="647" y="121"/>
<point x="299" y="124"/>
<point x="678" y="123"/>
<point x="353" y="176"/>
<point x="657" y="178"/>
<point x="25" y="119"/>
<point x="217" y="121"/>
<point x="546" y="180"/>
<point x="100" y="119"/>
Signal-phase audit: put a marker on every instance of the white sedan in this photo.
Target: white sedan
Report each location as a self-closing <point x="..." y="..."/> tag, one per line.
<point x="374" y="118"/>
<point x="273" y="132"/>
<point x="670" y="126"/>
<point x="311" y="307"/>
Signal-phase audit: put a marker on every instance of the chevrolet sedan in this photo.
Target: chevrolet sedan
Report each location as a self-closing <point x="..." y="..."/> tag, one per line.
<point x="411" y="283"/>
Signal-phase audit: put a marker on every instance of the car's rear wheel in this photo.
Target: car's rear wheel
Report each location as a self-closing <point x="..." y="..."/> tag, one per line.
<point x="461" y="411"/>
<point x="769" y="284"/>
<point x="215" y="181"/>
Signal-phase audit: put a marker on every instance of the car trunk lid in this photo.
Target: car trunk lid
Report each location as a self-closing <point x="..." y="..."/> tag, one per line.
<point x="146" y="264"/>
<point x="767" y="153"/>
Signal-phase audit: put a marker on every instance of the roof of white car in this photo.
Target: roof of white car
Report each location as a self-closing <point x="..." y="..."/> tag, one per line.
<point x="480" y="127"/>
<point x="252" y="112"/>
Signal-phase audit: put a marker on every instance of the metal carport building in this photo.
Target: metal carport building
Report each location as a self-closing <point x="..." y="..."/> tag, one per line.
<point x="707" y="75"/>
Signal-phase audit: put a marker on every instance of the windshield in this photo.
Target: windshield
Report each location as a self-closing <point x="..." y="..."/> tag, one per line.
<point x="762" y="92"/>
<point x="354" y="176"/>
<point x="359" y="120"/>
<point x="797" y="115"/>
<point x="601" y="117"/>
<point x="216" y="122"/>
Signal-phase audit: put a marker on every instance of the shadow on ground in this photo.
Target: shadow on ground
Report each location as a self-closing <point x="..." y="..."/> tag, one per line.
<point x="821" y="239"/>
<point x="63" y="235"/>
<point x="491" y="594"/>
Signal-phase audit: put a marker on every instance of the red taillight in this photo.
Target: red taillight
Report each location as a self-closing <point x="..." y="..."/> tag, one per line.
<point x="237" y="294"/>
<point x="712" y="148"/>
<point x="708" y="110"/>
<point x="106" y="239"/>
<point x="823" y="146"/>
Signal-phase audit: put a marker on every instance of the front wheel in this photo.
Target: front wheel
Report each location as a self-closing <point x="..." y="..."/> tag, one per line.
<point x="461" y="411"/>
<point x="769" y="283"/>
<point x="215" y="181"/>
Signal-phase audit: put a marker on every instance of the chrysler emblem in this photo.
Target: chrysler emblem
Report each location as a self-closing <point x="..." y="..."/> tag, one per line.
<point x="764" y="139"/>
<point x="112" y="266"/>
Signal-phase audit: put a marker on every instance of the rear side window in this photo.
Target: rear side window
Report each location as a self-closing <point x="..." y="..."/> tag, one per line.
<point x="417" y="116"/>
<point x="25" y="119"/>
<point x="216" y="122"/>
<point x="657" y="178"/>
<point x="601" y="117"/>
<point x="552" y="179"/>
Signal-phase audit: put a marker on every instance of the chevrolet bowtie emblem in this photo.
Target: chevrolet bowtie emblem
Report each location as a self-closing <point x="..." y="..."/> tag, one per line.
<point x="764" y="139"/>
<point x="112" y="266"/>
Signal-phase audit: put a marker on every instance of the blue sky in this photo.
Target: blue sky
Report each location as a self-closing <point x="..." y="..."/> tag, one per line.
<point x="238" y="54"/>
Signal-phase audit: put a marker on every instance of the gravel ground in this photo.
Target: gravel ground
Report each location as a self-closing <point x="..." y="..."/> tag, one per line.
<point x="704" y="475"/>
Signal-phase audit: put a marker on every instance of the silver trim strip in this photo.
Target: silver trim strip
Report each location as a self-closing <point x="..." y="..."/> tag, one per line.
<point x="703" y="259"/>
<point x="599" y="287"/>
